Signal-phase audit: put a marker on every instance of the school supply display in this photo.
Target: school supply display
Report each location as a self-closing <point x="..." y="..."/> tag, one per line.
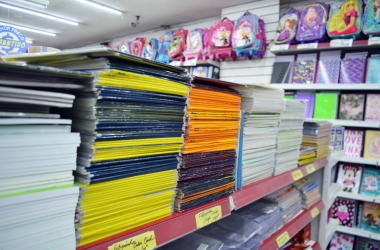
<point x="328" y="67"/>
<point x="195" y="44"/>
<point x="349" y="177"/>
<point x="326" y="105"/>
<point x="366" y="244"/>
<point x="373" y="64"/>
<point x="370" y="184"/>
<point x="372" y="144"/>
<point x="310" y="99"/>
<point x="221" y="40"/>
<point x="287" y="27"/>
<point x="307" y="155"/>
<point x="351" y="107"/>
<point x="125" y="47"/>
<point x="304" y="69"/>
<point x="337" y="139"/>
<point x="352" y="68"/>
<point x="137" y="46"/>
<point x="353" y="143"/>
<point x="371" y="24"/>
<point x="317" y="135"/>
<point x="309" y="191"/>
<point x="164" y="43"/>
<point x="345" y="211"/>
<point x="282" y="68"/>
<point x="150" y="49"/>
<point x="372" y="109"/>
<point x="178" y="45"/>
<point x="370" y="217"/>
<point x="342" y="241"/>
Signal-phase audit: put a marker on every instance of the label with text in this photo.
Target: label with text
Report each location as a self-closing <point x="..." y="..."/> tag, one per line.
<point x="297" y="175"/>
<point x="314" y="212"/>
<point x="208" y="216"/>
<point x="175" y="63"/>
<point x="191" y="62"/>
<point x="144" y="241"/>
<point x="374" y="40"/>
<point x="310" y="168"/>
<point x="307" y="46"/>
<point x="279" y="47"/>
<point x="341" y="43"/>
<point x="282" y="239"/>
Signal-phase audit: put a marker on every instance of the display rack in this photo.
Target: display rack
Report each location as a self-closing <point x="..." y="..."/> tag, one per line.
<point x="359" y="197"/>
<point x="358" y="232"/>
<point x="360" y="160"/>
<point x="327" y="86"/>
<point x="194" y="62"/>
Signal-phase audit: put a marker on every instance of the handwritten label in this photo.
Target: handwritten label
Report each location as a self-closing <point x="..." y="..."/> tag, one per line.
<point x="191" y="62"/>
<point x="310" y="168"/>
<point x="144" y="241"/>
<point x="374" y="40"/>
<point x="282" y="239"/>
<point x="314" y="212"/>
<point x="341" y="43"/>
<point x="208" y="216"/>
<point x="297" y="175"/>
<point x="175" y="63"/>
<point x="279" y="47"/>
<point x="307" y="46"/>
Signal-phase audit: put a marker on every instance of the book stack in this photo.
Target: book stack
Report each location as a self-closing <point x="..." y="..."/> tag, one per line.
<point x="309" y="192"/>
<point x="261" y="123"/>
<point x="289" y="138"/>
<point x="38" y="197"/>
<point x="130" y="118"/>
<point x="307" y="155"/>
<point x="208" y="157"/>
<point x="317" y="135"/>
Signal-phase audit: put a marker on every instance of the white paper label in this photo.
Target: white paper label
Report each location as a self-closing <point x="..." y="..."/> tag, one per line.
<point x="202" y="246"/>
<point x="341" y="43"/>
<point x="175" y="63"/>
<point x="307" y="46"/>
<point x="279" y="47"/>
<point x="374" y="40"/>
<point x="192" y="62"/>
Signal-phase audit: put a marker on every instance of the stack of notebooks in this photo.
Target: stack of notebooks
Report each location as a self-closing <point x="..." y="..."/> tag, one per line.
<point x="208" y="156"/>
<point x="309" y="192"/>
<point x="289" y="200"/>
<point x="38" y="152"/>
<point x="130" y="118"/>
<point x="307" y="155"/>
<point x="317" y="135"/>
<point x="260" y="130"/>
<point x="289" y="138"/>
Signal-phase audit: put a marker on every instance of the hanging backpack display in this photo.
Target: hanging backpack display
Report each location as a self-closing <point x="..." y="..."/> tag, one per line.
<point x="221" y="40"/>
<point x="312" y="23"/>
<point x="263" y="40"/>
<point x="372" y="18"/>
<point x="287" y="27"/>
<point x="137" y="46"/>
<point x="125" y="47"/>
<point x="150" y="49"/>
<point x="206" y="52"/>
<point x="178" y="45"/>
<point x="163" y="45"/>
<point x="194" y="44"/>
<point x="345" y="19"/>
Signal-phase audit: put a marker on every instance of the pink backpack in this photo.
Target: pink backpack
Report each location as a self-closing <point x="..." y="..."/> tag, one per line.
<point x="137" y="46"/>
<point x="178" y="45"/>
<point x="207" y="43"/>
<point x="222" y="33"/>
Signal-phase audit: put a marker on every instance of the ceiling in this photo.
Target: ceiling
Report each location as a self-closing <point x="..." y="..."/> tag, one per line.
<point x="96" y="25"/>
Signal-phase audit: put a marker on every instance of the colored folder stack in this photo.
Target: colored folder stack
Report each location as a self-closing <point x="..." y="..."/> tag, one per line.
<point x="317" y="135"/>
<point x="262" y="107"/>
<point x="130" y="118"/>
<point x="38" y="152"/>
<point x="289" y="138"/>
<point x="209" y="153"/>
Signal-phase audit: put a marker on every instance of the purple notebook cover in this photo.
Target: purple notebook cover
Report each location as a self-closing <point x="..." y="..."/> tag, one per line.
<point x="352" y="70"/>
<point x="309" y="103"/>
<point x="328" y="71"/>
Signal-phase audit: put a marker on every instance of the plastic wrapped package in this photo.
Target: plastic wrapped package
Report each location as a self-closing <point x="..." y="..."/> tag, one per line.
<point x="194" y="241"/>
<point x="235" y="232"/>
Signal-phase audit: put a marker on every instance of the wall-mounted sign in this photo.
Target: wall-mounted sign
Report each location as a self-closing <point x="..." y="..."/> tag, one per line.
<point x="12" y="40"/>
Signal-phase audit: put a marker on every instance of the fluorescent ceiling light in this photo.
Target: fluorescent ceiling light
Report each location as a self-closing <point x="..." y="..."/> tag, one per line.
<point x="101" y="6"/>
<point x="28" y="40"/>
<point x="36" y="13"/>
<point x="29" y="29"/>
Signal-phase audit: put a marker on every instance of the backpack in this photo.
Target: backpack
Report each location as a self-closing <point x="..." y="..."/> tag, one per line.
<point x="372" y="18"/>
<point x="194" y="43"/>
<point x="137" y="46"/>
<point x="222" y="33"/>
<point x="150" y="49"/>
<point x="340" y="14"/>
<point x="207" y="43"/>
<point x="163" y="45"/>
<point x="246" y="33"/>
<point x="125" y="47"/>
<point x="178" y="45"/>
<point x="287" y="27"/>
<point x="312" y="22"/>
<point x="263" y="40"/>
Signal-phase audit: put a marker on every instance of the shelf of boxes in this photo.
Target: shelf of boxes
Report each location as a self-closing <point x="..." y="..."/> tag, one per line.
<point x="358" y="232"/>
<point x="327" y="86"/>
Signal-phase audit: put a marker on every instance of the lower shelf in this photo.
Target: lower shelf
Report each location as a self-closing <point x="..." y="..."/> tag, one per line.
<point x="281" y="236"/>
<point x="330" y="230"/>
<point x="359" y="197"/>
<point x="358" y="232"/>
<point x="333" y="193"/>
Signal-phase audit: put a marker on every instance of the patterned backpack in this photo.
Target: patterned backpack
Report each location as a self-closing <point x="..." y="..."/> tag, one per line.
<point x="312" y="23"/>
<point x="137" y="46"/>
<point x="246" y="34"/>
<point x="207" y="43"/>
<point x="125" y="47"/>
<point x="372" y="18"/>
<point x="341" y="14"/>
<point x="287" y="27"/>
<point x="194" y="43"/>
<point x="163" y="45"/>
<point x="222" y="33"/>
<point x="150" y="49"/>
<point x="178" y="45"/>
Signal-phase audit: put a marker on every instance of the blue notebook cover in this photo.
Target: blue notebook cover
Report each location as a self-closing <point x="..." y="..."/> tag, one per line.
<point x="373" y="75"/>
<point x="238" y="171"/>
<point x="370" y="182"/>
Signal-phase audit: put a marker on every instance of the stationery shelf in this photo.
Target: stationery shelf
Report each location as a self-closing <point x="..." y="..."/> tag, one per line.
<point x="257" y="190"/>
<point x="294" y="49"/>
<point x="334" y="191"/>
<point x="360" y="160"/>
<point x="327" y="86"/>
<point x="330" y="230"/>
<point x="359" y="197"/>
<point x="358" y="232"/>
<point x="281" y="236"/>
<point x="193" y="62"/>
<point x="334" y="158"/>
<point x="357" y="124"/>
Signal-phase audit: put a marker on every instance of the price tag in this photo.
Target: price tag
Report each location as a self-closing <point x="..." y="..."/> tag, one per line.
<point x="279" y="47"/>
<point x="208" y="216"/>
<point x="175" y="63"/>
<point x="314" y="212"/>
<point x="192" y="62"/>
<point x="307" y="46"/>
<point x="282" y="239"/>
<point x="341" y="43"/>
<point x="374" y="40"/>
<point x="144" y="241"/>
<point x="310" y="168"/>
<point x="297" y="175"/>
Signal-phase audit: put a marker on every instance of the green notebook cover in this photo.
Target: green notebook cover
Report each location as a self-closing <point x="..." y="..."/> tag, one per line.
<point x="326" y="105"/>
<point x="289" y="97"/>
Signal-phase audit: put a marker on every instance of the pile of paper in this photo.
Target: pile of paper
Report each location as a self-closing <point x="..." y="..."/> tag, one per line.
<point x="309" y="192"/>
<point x="317" y="135"/>
<point x="38" y="152"/>
<point x="262" y="107"/>
<point x="289" y="138"/>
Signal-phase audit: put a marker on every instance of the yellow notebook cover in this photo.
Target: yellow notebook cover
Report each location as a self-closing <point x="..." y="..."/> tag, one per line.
<point x="372" y="144"/>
